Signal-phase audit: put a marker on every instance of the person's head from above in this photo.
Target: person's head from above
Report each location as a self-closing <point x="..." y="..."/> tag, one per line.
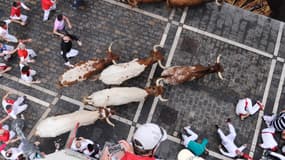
<point x="185" y="154"/>
<point x="8" y="153"/>
<point x="16" y="4"/>
<point x="25" y="69"/>
<point x="66" y="38"/>
<point x="21" y="157"/>
<point x="8" y="107"/>
<point x="59" y="17"/>
<point x="3" y="24"/>
<point x="147" y="138"/>
<point x="90" y="147"/>
<point x="22" y="46"/>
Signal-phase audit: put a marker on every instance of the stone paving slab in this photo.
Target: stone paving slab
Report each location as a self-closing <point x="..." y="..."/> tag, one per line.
<point x="236" y="24"/>
<point x="202" y="103"/>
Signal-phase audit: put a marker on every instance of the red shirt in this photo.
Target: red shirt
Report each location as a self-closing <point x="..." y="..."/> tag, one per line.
<point x="22" y="53"/>
<point x="46" y="4"/>
<point x="10" y="101"/>
<point x="16" y="11"/>
<point x="130" y="156"/>
<point x="5" y="136"/>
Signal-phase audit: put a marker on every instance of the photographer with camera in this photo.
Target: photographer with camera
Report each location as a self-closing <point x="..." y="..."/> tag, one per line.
<point x="145" y="142"/>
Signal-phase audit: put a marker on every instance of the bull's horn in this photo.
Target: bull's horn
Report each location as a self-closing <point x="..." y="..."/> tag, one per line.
<point x="154" y="47"/>
<point x="110" y="47"/>
<point x="218" y="3"/>
<point x="162" y="99"/>
<point x="218" y="58"/>
<point x="158" y="82"/>
<point x="220" y="75"/>
<point x="160" y="64"/>
<point x="114" y="62"/>
<point x="109" y="122"/>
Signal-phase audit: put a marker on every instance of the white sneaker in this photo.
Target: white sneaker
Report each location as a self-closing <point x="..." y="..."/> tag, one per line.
<point x="61" y="53"/>
<point x="187" y="127"/>
<point x="68" y="64"/>
<point x="79" y="43"/>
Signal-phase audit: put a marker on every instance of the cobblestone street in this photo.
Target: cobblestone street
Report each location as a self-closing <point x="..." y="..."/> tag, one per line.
<point x="252" y="49"/>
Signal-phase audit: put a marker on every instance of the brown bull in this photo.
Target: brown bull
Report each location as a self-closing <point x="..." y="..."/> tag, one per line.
<point x="189" y="3"/>
<point x="85" y="70"/>
<point x="172" y="3"/>
<point x="135" y="3"/>
<point x="180" y="74"/>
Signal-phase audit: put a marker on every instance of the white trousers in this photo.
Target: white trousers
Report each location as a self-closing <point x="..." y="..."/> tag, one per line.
<point x="47" y="12"/>
<point x="18" y="106"/>
<point x="268" y="139"/>
<point x="22" y="17"/>
<point x="72" y="53"/>
<point x="12" y="38"/>
<point x="242" y="109"/>
<point x="186" y="139"/>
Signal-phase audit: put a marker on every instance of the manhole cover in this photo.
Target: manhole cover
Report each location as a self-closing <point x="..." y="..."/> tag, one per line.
<point x="189" y="45"/>
<point x="168" y="115"/>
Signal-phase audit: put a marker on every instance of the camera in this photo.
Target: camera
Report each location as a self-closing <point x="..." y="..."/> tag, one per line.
<point x="113" y="148"/>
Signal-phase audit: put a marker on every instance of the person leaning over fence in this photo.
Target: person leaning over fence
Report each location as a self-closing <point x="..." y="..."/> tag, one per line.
<point x="145" y="143"/>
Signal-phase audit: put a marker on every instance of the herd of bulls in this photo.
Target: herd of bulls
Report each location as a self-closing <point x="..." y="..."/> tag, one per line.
<point x="112" y="73"/>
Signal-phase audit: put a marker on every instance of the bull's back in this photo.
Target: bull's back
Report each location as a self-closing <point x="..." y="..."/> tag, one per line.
<point x="117" y="96"/>
<point x="118" y="73"/>
<point x="184" y="3"/>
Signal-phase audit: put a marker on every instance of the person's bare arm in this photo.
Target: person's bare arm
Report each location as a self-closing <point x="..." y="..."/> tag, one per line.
<point x="6" y="96"/>
<point x="4" y="119"/>
<point x="56" y="32"/>
<point x="67" y="21"/>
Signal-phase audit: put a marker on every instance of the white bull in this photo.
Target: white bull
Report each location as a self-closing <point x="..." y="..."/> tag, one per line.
<point x="57" y="125"/>
<point x="122" y="95"/>
<point x="118" y="73"/>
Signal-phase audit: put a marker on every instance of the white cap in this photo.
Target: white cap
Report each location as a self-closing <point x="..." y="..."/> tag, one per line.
<point x="149" y="135"/>
<point x="185" y="154"/>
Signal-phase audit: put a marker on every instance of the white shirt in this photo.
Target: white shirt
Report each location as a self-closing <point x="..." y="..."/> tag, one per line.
<point x="83" y="146"/>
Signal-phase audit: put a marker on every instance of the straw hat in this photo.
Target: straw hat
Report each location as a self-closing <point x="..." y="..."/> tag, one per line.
<point x="185" y="154"/>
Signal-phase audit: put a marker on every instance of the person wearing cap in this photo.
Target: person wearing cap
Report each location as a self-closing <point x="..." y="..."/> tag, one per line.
<point x="16" y="15"/>
<point x="185" y="154"/>
<point x="190" y="142"/>
<point x="276" y="121"/>
<point x="66" y="48"/>
<point x="13" y="107"/>
<point x="244" y="108"/>
<point x="267" y="135"/>
<point x="228" y="142"/>
<point x="4" y="33"/>
<point x="145" y="142"/>
<point x="25" y="54"/>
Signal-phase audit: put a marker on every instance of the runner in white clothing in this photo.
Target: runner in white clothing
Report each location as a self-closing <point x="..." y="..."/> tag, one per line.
<point x="244" y="108"/>
<point x="80" y="144"/>
<point x="4" y="34"/>
<point x="228" y="142"/>
<point x="12" y="107"/>
<point x="269" y="142"/>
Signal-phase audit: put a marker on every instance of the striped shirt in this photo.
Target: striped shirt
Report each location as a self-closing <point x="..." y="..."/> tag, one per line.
<point x="279" y="122"/>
